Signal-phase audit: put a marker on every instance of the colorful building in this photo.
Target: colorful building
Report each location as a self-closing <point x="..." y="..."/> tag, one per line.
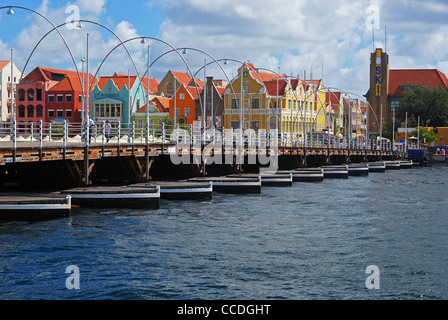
<point x="266" y="101"/>
<point x="183" y="104"/>
<point x="214" y="102"/>
<point x="5" y="88"/>
<point x="157" y="113"/>
<point x="173" y="80"/>
<point x="335" y="112"/>
<point x="112" y="100"/>
<point x="50" y="95"/>
<point x="387" y="87"/>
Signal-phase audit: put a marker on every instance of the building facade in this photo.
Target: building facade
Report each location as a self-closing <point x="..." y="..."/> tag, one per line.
<point x="261" y="100"/>
<point x="387" y="87"/>
<point x="50" y="95"/>
<point x="5" y="88"/>
<point x="112" y="100"/>
<point x="158" y="111"/>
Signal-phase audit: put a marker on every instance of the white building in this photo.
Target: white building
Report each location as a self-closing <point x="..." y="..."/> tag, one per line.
<point x="5" y="88"/>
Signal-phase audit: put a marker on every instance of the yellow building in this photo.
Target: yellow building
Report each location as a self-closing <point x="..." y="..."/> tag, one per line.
<point x="261" y="100"/>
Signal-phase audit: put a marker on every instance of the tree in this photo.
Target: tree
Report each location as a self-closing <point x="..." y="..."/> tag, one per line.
<point x="425" y="135"/>
<point x="388" y="129"/>
<point x="431" y="104"/>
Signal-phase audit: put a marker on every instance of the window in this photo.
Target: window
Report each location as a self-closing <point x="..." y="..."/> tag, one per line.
<point x="139" y="123"/>
<point x="177" y="113"/>
<point x="21" y="112"/>
<point x="68" y="113"/>
<point x="169" y="88"/>
<point x="68" y="98"/>
<point x="235" y="103"/>
<point x="31" y="95"/>
<point x="51" y="98"/>
<point x="104" y="110"/>
<point x="255" y="103"/>
<point x="245" y="88"/>
<point x="60" y="98"/>
<point x="182" y="96"/>
<point x="187" y="112"/>
<point x="394" y="105"/>
<point x="30" y="111"/>
<point x="39" y="94"/>
<point x="21" y="95"/>
<point x="39" y="111"/>
<point x="80" y="98"/>
<point x="60" y="113"/>
<point x="235" y="124"/>
<point x="50" y="113"/>
<point x="255" y="125"/>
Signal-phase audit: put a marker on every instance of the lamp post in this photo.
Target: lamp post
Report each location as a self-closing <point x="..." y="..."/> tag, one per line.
<point x="147" y="120"/>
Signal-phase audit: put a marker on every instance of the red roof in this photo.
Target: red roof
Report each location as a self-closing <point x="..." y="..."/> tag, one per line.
<point x="276" y="88"/>
<point x="431" y="78"/>
<point x="334" y="98"/>
<point x="162" y="104"/>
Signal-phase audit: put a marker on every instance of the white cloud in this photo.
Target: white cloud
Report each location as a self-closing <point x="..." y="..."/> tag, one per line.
<point x="93" y="6"/>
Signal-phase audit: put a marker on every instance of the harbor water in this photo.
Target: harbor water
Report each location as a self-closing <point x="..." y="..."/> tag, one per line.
<point x="310" y="241"/>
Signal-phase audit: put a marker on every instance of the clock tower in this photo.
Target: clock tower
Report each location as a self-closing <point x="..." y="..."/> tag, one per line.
<point x="378" y="91"/>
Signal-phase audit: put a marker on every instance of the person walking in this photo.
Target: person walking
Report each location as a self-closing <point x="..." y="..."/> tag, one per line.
<point x="91" y="124"/>
<point x="107" y="130"/>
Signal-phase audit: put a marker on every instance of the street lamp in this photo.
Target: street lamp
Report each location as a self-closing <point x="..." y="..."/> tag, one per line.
<point x="10" y="11"/>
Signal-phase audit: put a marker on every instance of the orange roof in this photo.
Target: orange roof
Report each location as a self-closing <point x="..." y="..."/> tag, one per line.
<point x="121" y="80"/>
<point x="420" y="77"/>
<point x="182" y="77"/>
<point x="220" y="90"/>
<point x="194" y="92"/>
<point x="199" y="83"/>
<point x="162" y="104"/>
<point x="3" y="64"/>
<point x="48" y="72"/>
<point x="70" y="83"/>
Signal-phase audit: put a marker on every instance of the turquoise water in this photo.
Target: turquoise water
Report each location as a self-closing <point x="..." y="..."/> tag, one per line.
<point x="308" y="241"/>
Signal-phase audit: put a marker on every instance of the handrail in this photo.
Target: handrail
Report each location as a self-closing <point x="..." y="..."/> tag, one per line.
<point x="66" y="133"/>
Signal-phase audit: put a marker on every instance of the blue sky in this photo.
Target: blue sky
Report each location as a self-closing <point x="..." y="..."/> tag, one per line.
<point x="295" y="36"/>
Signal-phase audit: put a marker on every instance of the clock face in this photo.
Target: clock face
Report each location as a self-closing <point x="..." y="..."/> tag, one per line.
<point x="378" y="60"/>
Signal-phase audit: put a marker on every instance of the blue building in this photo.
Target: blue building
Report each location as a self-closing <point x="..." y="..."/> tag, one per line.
<point x="111" y="99"/>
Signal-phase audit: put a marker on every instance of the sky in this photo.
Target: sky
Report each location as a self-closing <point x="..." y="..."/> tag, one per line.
<point x="324" y="39"/>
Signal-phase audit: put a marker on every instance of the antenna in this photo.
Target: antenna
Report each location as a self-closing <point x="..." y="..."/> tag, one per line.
<point x="385" y="38"/>
<point x="373" y="37"/>
<point x="322" y="68"/>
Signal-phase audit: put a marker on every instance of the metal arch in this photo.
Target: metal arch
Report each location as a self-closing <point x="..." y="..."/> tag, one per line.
<point x="151" y="38"/>
<point x="54" y="27"/>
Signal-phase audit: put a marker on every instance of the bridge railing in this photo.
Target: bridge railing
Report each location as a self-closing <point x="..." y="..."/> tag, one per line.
<point x="63" y="133"/>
